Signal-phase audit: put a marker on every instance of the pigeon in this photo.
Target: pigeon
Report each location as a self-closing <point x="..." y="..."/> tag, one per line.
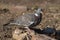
<point x="30" y="19"/>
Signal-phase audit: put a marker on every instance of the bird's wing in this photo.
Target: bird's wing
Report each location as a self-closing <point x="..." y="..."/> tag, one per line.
<point x="25" y="20"/>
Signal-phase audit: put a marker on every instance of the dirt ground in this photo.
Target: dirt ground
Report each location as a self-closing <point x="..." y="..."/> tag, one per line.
<point x="50" y="15"/>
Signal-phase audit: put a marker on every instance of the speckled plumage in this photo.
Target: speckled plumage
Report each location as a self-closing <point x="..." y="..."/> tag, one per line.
<point x="28" y="19"/>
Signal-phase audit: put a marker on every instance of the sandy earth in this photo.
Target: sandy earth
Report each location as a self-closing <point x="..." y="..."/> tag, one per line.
<point x="51" y="14"/>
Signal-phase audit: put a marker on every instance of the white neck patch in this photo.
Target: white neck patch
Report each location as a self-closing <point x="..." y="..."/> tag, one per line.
<point x="36" y="14"/>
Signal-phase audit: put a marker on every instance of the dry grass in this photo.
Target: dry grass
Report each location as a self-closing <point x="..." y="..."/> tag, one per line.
<point x="51" y="12"/>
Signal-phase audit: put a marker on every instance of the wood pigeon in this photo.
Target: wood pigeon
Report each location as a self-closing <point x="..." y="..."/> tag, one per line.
<point x="30" y="19"/>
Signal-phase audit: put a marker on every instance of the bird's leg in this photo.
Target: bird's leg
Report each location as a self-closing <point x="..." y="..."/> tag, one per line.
<point x="28" y="29"/>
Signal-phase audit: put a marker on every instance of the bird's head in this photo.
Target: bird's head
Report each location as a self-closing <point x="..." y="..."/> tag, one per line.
<point x="38" y="12"/>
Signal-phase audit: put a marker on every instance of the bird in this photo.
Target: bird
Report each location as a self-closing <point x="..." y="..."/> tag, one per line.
<point x="30" y="19"/>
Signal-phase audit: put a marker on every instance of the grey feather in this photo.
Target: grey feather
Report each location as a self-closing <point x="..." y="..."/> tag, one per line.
<point x="27" y="19"/>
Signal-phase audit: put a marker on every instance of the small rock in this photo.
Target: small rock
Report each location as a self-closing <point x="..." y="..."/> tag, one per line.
<point x="58" y="34"/>
<point x="48" y="31"/>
